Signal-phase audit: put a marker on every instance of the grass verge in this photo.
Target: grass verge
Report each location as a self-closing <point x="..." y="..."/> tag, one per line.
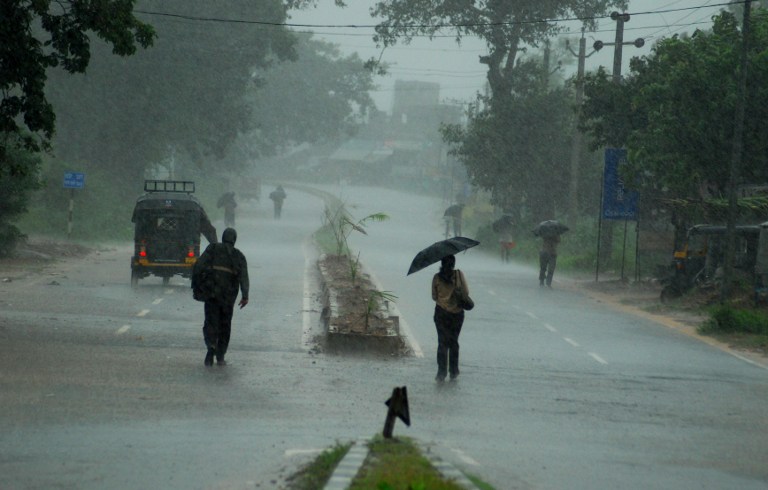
<point x="316" y="474"/>
<point x="392" y="464"/>
<point x="746" y="328"/>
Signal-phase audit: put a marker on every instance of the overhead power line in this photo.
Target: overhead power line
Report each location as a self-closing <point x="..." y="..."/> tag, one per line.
<point x="426" y="26"/>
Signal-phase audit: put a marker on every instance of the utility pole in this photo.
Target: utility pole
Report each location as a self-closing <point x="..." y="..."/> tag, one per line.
<point x="736" y="157"/>
<point x="605" y="239"/>
<point x="576" y="143"/>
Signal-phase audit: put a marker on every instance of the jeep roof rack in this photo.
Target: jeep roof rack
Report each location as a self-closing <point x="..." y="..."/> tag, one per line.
<point x="187" y="186"/>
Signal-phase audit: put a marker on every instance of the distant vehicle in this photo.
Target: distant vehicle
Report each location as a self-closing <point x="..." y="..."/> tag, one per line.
<point x="695" y="262"/>
<point x="168" y="221"/>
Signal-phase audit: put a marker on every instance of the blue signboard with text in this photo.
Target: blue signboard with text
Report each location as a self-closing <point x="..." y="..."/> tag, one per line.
<point x="74" y="180"/>
<point x="619" y="203"/>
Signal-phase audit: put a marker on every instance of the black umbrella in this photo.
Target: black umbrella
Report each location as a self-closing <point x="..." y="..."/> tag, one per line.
<point x="503" y="224"/>
<point x="454" y="211"/>
<point x="438" y="250"/>
<point x="550" y="228"/>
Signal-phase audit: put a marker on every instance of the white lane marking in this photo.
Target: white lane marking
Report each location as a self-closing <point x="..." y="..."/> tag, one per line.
<point x="571" y="341"/>
<point x="531" y="315"/>
<point x="550" y="327"/>
<point x="598" y="358"/>
<point x="157" y="301"/>
<point x="123" y="329"/>
<point x="289" y="453"/>
<point x="492" y="292"/>
<point x="750" y="361"/>
<point x="142" y="313"/>
<point x="168" y="291"/>
<point x="465" y="458"/>
<point x="516" y="307"/>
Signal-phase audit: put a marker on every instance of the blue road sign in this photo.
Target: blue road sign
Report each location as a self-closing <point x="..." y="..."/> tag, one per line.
<point x="74" y="180"/>
<point x="619" y="203"/>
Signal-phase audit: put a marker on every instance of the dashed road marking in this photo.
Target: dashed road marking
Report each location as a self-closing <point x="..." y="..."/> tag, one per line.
<point x="142" y="313"/>
<point x="571" y="341"/>
<point x="550" y="327"/>
<point x="123" y="329"/>
<point x="289" y="453"/>
<point x="531" y="315"/>
<point x="598" y="358"/>
<point x="492" y="292"/>
<point x="157" y="301"/>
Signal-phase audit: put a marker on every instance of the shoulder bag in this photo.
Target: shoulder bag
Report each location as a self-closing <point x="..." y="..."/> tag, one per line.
<point x="460" y="293"/>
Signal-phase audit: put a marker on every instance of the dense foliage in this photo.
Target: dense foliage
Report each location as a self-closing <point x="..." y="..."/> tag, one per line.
<point x="675" y="111"/>
<point x="14" y="192"/>
<point x="36" y="36"/>
<point x="507" y="27"/>
<point x="214" y="93"/>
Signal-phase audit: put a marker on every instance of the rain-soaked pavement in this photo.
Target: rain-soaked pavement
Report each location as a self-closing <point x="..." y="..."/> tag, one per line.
<point x="102" y="386"/>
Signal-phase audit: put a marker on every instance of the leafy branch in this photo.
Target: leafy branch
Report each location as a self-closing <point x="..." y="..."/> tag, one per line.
<point x="374" y="301"/>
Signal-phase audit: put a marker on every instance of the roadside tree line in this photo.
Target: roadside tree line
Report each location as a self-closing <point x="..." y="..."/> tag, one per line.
<point x="195" y="91"/>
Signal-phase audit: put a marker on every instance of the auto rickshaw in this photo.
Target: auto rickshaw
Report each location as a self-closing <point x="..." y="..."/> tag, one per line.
<point x="168" y="221"/>
<point x="697" y="260"/>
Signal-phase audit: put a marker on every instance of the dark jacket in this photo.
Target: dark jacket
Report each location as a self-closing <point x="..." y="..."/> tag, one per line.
<point x="220" y="271"/>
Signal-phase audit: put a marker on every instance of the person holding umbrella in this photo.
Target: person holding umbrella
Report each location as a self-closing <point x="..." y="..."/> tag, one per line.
<point x="448" y="317"/>
<point x="550" y="232"/>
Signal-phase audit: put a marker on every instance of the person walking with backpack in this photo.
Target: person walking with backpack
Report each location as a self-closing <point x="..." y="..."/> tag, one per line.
<point x="217" y="276"/>
<point x="449" y="317"/>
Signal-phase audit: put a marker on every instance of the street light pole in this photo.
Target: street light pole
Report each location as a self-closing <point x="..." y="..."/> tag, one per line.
<point x="576" y="143"/>
<point x="605" y="240"/>
<point x="736" y="157"/>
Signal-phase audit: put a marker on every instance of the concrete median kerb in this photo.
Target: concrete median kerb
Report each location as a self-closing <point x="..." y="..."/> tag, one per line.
<point x="354" y="317"/>
<point x="353" y="461"/>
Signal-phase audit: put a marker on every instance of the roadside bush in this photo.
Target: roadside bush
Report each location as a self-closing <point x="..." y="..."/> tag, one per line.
<point x="727" y="319"/>
<point x="18" y="179"/>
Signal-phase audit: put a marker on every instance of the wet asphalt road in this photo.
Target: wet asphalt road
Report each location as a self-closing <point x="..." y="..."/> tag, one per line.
<point x="103" y="386"/>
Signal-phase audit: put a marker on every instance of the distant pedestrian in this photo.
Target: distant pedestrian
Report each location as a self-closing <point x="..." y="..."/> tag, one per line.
<point x="453" y="217"/>
<point x="548" y="259"/>
<point x="278" y="196"/>
<point x="503" y="227"/>
<point x="218" y="274"/>
<point x="227" y="201"/>
<point x="448" y="317"/>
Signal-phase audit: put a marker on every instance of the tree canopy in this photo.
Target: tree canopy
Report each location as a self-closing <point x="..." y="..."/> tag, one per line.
<point x="507" y="27"/>
<point x="675" y="111"/>
<point x="205" y="88"/>
<point x="41" y="34"/>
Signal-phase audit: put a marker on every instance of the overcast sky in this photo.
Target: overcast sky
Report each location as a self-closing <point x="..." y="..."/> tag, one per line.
<point x="457" y="69"/>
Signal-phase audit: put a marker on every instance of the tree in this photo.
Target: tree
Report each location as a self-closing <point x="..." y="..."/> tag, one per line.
<point x="520" y="153"/>
<point x="210" y="95"/>
<point x="290" y="107"/>
<point x="15" y="188"/>
<point x="27" y="51"/>
<point x="507" y="27"/>
<point x="35" y="36"/>
<point x="676" y="111"/>
<point x="184" y="99"/>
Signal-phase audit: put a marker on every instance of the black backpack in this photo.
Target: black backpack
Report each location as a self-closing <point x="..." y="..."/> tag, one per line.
<point x="207" y="283"/>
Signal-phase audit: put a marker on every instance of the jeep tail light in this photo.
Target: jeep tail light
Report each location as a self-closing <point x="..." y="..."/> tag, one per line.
<point x="142" y="252"/>
<point x="191" y="252"/>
